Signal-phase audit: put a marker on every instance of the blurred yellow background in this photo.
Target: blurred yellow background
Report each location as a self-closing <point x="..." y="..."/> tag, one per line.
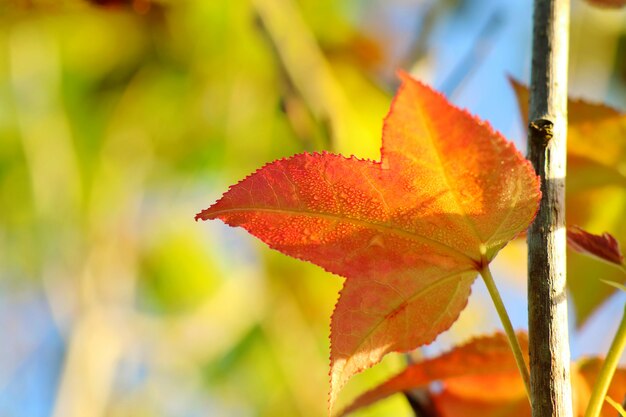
<point x="119" y="120"/>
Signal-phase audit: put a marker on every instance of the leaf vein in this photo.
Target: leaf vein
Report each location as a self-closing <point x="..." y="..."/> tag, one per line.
<point x="431" y="136"/>
<point x="367" y="223"/>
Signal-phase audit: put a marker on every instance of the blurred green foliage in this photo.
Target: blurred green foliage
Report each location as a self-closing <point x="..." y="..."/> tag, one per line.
<point x="118" y="123"/>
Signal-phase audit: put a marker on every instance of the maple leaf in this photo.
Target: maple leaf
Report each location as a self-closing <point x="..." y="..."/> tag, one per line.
<point x="480" y="378"/>
<point x="595" y="193"/>
<point x="588" y="370"/>
<point x="487" y="356"/>
<point x="408" y="233"/>
<point x="492" y="395"/>
<point x="604" y="247"/>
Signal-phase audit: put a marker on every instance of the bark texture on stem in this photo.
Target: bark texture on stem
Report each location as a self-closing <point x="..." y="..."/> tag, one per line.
<point x="547" y="300"/>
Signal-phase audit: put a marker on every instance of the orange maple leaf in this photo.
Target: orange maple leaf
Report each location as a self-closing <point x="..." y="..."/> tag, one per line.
<point x="480" y="379"/>
<point x="408" y="233"/>
<point x="471" y="365"/>
<point x="494" y="395"/>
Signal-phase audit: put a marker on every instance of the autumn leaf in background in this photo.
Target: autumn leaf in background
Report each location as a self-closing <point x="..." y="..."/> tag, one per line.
<point x="409" y="233"/>
<point x="595" y="192"/>
<point x="612" y="4"/>
<point x="480" y="378"/>
<point x="487" y="357"/>
<point x="604" y="247"/>
<point x="585" y="374"/>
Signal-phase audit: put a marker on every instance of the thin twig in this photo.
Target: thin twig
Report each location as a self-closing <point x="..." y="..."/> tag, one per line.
<point x="476" y="55"/>
<point x="308" y="69"/>
<point x="431" y="14"/>
<point x="293" y="104"/>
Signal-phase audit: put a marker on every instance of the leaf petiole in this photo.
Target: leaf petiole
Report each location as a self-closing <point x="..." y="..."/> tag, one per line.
<point x="617" y="406"/>
<point x="608" y="370"/>
<point x="508" y="327"/>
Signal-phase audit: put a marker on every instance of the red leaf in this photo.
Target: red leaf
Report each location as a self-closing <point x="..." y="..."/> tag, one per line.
<point x="409" y="233"/>
<point x="486" y="357"/>
<point x="609" y="4"/>
<point x="604" y="247"/>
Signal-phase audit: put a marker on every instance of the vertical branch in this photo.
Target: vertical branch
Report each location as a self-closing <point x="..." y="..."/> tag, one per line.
<point x="547" y="300"/>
